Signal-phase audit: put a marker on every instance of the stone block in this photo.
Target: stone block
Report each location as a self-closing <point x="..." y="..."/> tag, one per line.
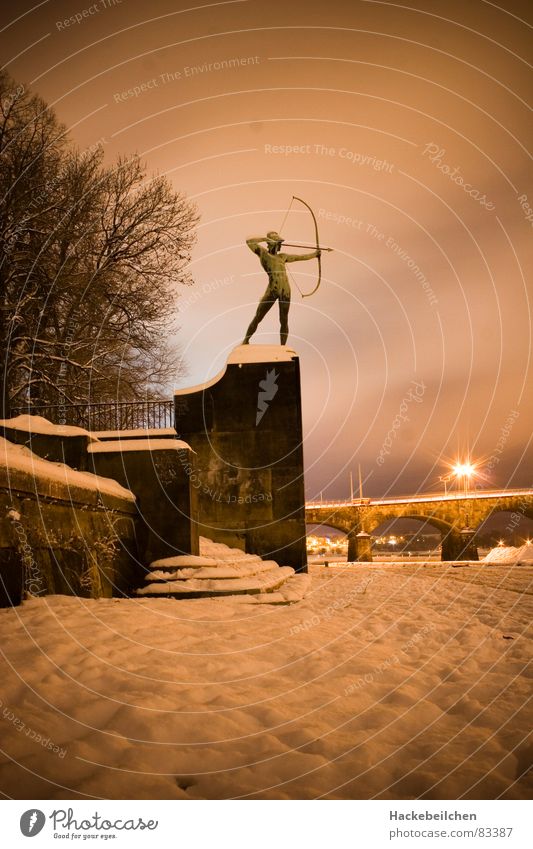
<point x="158" y="472"/>
<point x="57" y="443"/>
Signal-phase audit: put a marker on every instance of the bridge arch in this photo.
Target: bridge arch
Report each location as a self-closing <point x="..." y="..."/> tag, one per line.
<point x="334" y="525"/>
<point x="524" y="511"/>
<point x="374" y="521"/>
<point x="513" y="526"/>
<point x="452" y="543"/>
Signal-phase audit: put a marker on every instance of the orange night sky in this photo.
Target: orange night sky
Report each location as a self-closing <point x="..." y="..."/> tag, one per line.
<point x="405" y="127"/>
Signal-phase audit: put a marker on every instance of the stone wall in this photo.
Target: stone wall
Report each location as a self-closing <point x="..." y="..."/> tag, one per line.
<point x="64" y="536"/>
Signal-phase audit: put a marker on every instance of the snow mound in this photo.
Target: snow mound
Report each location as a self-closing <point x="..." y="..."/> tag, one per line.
<point x="501" y="554"/>
<point x="510" y="554"/>
<point x="525" y="553"/>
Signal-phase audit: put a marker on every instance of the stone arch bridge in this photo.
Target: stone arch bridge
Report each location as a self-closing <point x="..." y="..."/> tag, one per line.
<point x="456" y="516"/>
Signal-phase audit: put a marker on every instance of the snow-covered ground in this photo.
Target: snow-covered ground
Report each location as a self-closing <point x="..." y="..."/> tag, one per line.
<point x="391" y="682"/>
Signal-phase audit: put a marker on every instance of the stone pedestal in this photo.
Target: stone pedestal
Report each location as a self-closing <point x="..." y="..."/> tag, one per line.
<point x="159" y="472"/>
<point x="245" y="426"/>
<point x="360" y="548"/>
<point x="459" y="545"/>
<point x="468" y="545"/>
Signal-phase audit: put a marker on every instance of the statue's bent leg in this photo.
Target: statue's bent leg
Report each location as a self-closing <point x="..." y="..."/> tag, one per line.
<point x="265" y="304"/>
<point x="284" y="304"/>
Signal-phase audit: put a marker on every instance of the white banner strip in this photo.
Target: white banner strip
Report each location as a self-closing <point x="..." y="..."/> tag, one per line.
<point x="268" y="824"/>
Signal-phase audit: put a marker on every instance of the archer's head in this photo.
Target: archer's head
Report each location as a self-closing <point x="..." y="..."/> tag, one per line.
<point x="274" y="242"/>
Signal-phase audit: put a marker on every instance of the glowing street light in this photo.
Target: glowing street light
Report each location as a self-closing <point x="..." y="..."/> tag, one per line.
<point x="464" y="471"/>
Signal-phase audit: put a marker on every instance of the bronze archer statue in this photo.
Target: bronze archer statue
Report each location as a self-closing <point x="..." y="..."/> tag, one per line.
<point x="278" y="288"/>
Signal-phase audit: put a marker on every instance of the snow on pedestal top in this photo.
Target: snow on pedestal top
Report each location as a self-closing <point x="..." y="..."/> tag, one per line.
<point x="241" y="355"/>
<point x="262" y="354"/>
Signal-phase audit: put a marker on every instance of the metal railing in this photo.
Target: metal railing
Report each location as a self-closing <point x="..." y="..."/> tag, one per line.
<point x="112" y="415"/>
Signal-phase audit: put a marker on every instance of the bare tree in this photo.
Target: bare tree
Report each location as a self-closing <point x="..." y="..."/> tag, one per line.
<point x="31" y="145"/>
<point x="91" y="261"/>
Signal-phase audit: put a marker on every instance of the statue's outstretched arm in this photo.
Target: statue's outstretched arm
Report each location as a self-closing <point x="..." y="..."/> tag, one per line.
<point x="300" y="257"/>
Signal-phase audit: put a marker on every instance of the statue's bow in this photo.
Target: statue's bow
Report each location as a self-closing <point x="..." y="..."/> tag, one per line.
<point x="317" y="243"/>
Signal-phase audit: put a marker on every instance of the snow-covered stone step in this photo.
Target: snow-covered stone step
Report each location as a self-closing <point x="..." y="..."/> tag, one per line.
<point x="294" y="589"/>
<point x="183" y="561"/>
<point x="194" y="561"/>
<point x="223" y="570"/>
<point x="220" y="551"/>
<point x="264" y="582"/>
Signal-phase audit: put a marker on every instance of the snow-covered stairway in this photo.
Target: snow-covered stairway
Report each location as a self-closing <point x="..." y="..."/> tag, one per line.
<point x="223" y="571"/>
